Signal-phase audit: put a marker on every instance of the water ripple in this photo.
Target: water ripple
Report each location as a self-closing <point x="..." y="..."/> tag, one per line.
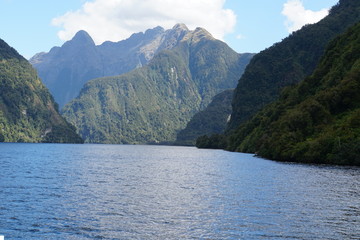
<point x="59" y="191"/>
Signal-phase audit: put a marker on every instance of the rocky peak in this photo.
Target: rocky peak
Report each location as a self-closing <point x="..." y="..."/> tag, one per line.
<point x="202" y="33"/>
<point x="174" y="36"/>
<point x="37" y="58"/>
<point x="150" y="33"/>
<point x="197" y="35"/>
<point x="181" y="27"/>
<point x="83" y="36"/>
<point x="81" y="39"/>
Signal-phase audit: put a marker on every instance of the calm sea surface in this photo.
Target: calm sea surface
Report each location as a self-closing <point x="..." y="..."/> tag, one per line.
<point x="59" y="191"/>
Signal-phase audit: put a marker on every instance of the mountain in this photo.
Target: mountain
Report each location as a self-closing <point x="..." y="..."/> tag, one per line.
<point x="152" y="103"/>
<point x="288" y="62"/>
<point x="27" y="110"/>
<point x="211" y="120"/>
<point x="317" y="120"/>
<point x="65" y="70"/>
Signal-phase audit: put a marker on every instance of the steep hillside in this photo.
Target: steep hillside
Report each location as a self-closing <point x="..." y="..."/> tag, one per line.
<point x="65" y="70"/>
<point x="319" y="119"/>
<point x="27" y="110"/>
<point x="211" y="120"/>
<point x="288" y="62"/>
<point x="152" y="103"/>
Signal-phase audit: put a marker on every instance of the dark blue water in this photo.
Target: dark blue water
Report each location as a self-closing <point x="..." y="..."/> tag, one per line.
<point x="54" y="191"/>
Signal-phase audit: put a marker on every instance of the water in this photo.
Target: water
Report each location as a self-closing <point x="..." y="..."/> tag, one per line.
<point x="55" y="191"/>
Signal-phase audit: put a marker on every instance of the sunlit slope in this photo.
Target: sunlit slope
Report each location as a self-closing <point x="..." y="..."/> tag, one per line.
<point x="317" y="120"/>
<point x="27" y="110"/>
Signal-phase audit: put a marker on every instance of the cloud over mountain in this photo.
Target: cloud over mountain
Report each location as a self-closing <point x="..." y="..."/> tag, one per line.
<point x="117" y="19"/>
<point x="297" y="16"/>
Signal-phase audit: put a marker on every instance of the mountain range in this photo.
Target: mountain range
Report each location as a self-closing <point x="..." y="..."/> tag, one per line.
<point x="297" y="100"/>
<point x="152" y="103"/>
<point x="65" y="70"/>
<point x="28" y="112"/>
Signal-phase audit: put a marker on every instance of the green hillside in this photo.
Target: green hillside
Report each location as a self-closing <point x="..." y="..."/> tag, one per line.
<point x="289" y="61"/>
<point x="317" y="120"/>
<point x="151" y="104"/>
<point x="27" y="110"/>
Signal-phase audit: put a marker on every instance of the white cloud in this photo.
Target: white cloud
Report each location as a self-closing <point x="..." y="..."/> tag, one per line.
<point x="115" y="20"/>
<point x="297" y="16"/>
<point x="240" y="37"/>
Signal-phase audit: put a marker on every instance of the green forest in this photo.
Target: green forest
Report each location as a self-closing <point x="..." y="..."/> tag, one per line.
<point x="319" y="119"/>
<point x="315" y="121"/>
<point x="27" y="110"/>
<point x="289" y="61"/>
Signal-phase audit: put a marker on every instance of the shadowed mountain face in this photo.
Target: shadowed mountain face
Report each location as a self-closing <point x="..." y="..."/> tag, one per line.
<point x="152" y="103"/>
<point x="65" y="70"/>
<point x="211" y="120"/>
<point x="28" y="112"/>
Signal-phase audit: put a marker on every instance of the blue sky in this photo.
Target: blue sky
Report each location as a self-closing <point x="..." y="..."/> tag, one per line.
<point x="33" y="26"/>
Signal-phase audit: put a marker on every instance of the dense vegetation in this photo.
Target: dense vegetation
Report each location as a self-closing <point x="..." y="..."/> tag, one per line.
<point x="316" y="121"/>
<point x="151" y="104"/>
<point x="288" y="62"/>
<point x="211" y="120"/>
<point x="27" y="110"/>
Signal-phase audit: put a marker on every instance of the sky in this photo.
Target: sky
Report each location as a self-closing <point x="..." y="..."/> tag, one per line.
<point x="33" y="26"/>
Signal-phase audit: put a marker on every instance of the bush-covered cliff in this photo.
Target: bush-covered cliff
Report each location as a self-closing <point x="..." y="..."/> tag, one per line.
<point x="28" y="112"/>
<point x="317" y="120"/>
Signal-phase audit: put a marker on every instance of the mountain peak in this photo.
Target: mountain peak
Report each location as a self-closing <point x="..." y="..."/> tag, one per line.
<point x="180" y="26"/>
<point x="174" y="36"/>
<point x="8" y="52"/>
<point x="201" y="33"/>
<point x="154" y="31"/>
<point x="197" y="35"/>
<point x="83" y="37"/>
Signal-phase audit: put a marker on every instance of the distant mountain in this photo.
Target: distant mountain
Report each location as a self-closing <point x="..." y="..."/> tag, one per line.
<point x="65" y="70"/>
<point x="27" y="110"/>
<point x="211" y="120"/>
<point x="288" y="62"/>
<point x="317" y="120"/>
<point x="152" y="103"/>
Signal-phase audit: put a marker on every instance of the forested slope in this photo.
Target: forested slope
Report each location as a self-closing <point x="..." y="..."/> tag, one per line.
<point x="289" y="61"/>
<point x="28" y="112"/>
<point x="317" y="120"/>
<point x="211" y="120"/>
